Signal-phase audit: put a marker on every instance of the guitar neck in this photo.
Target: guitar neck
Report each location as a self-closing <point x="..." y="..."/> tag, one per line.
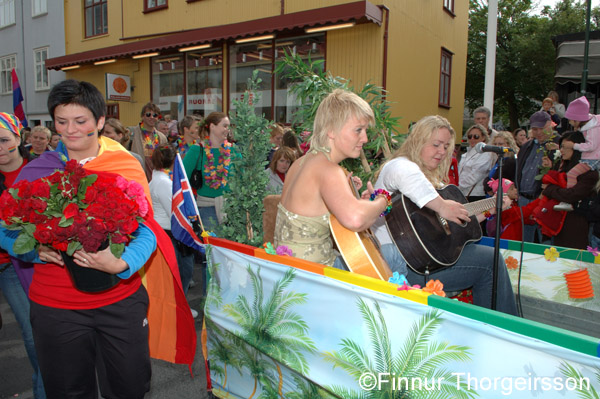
<point x="477" y="207"/>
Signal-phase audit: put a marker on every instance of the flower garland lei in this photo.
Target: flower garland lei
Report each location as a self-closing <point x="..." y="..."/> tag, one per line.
<point x="150" y="138"/>
<point x="216" y="176"/>
<point x="184" y="147"/>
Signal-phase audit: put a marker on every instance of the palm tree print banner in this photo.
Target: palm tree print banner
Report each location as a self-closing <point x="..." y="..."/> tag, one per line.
<point x="279" y="332"/>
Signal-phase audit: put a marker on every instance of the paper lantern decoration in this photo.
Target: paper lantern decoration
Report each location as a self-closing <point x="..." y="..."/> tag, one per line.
<point x="579" y="284"/>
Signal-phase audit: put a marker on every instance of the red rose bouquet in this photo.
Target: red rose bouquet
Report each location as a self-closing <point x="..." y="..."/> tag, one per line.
<point x="73" y="209"/>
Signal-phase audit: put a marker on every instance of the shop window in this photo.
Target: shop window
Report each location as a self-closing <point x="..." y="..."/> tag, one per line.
<point x="96" y="20"/>
<point x="276" y="102"/>
<point x="312" y="46"/>
<point x="204" y="72"/>
<point x="168" y="90"/>
<point x="244" y="59"/>
<point x="445" y="78"/>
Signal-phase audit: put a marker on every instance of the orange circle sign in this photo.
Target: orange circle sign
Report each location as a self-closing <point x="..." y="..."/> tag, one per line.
<point x="120" y="85"/>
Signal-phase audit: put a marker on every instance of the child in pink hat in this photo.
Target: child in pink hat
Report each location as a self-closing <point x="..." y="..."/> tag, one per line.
<point x="511" y="217"/>
<point x="578" y="114"/>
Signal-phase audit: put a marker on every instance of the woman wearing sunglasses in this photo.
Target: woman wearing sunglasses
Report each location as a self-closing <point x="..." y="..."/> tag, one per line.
<point x="473" y="166"/>
<point x="146" y="137"/>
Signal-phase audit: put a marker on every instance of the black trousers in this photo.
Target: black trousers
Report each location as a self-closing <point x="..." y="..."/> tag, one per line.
<point x="112" y="341"/>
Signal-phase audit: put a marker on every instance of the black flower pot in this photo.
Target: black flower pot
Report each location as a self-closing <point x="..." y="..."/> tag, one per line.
<point x="89" y="280"/>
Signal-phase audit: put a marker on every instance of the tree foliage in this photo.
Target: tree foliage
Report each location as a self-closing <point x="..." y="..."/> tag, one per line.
<point x="312" y="84"/>
<point x="244" y="207"/>
<point x="525" y="53"/>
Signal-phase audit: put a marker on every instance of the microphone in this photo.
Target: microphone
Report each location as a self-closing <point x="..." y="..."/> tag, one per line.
<point x="482" y="147"/>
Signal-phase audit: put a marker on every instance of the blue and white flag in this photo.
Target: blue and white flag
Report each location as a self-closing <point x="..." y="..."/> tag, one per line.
<point x="184" y="212"/>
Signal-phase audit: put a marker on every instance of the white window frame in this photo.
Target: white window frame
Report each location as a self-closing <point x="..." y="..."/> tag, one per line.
<point x="39" y="7"/>
<point x="40" y="69"/>
<point x="445" y="78"/>
<point x="7" y="13"/>
<point x="449" y="5"/>
<point x="7" y="63"/>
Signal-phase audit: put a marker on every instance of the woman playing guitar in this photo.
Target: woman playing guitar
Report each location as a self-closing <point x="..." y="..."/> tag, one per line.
<point x="316" y="185"/>
<point x="416" y="170"/>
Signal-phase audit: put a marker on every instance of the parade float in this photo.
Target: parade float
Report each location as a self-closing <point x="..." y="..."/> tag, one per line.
<point x="281" y="327"/>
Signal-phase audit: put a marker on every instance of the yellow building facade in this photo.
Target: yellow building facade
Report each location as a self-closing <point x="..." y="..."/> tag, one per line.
<point x="415" y="49"/>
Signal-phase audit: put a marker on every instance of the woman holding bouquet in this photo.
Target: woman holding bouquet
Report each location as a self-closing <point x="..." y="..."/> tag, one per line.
<point x="80" y="335"/>
<point x="13" y="157"/>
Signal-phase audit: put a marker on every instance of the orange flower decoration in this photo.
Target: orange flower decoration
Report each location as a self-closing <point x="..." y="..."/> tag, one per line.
<point x="435" y="287"/>
<point x="512" y="263"/>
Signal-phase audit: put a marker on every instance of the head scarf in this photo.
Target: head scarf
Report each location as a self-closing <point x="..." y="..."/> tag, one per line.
<point x="10" y="122"/>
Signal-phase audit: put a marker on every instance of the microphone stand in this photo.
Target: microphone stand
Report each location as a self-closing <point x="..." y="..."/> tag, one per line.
<point x="498" y="229"/>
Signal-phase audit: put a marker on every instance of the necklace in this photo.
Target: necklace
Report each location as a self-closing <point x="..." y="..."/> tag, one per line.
<point x="150" y="139"/>
<point x="184" y="146"/>
<point x="216" y="175"/>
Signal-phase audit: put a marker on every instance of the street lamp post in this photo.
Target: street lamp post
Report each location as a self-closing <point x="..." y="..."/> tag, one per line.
<point x="586" y="48"/>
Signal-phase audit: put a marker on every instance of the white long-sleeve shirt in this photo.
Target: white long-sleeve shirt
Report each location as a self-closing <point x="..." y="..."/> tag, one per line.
<point x="472" y="169"/>
<point x="405" y="176"/>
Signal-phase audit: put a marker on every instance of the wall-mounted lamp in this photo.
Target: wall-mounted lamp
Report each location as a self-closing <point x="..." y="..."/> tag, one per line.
<point x="329" y="27"/>
<point x="199" y="47"/>
<point x="105" y="62"/>
<point x="68" y="68"/>
<point x="254" y="39"/>
<point x="136" y="57"/>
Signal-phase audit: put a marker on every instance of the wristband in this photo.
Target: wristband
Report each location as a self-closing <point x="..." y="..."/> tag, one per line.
<point x="387" y="197"/>
<point x="487" y="214"/>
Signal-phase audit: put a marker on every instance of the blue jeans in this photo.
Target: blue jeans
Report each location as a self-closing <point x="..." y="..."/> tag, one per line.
<point x="474" y="269"/>
<point x="208" y="214"/>
<point x="19" y="303"/>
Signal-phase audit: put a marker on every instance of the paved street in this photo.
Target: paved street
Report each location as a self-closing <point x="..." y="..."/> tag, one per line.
<point x="168" y="380"/>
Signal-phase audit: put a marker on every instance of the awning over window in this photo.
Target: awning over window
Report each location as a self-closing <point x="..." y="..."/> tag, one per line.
<point x="569" y="61"/>
<point x="359" y="12"/>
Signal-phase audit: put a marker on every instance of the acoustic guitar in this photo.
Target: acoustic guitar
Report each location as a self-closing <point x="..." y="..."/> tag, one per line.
<point x="360" y="250"/>
<point x="427" y="241"/>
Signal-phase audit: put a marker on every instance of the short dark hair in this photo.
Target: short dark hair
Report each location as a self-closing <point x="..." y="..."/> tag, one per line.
<point x="150" y="107"/>
<point x="163" y="157"/>
<point x="72" y="91"/>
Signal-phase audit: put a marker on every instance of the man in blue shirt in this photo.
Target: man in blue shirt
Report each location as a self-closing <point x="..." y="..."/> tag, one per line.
<point x="529" y="162"/>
